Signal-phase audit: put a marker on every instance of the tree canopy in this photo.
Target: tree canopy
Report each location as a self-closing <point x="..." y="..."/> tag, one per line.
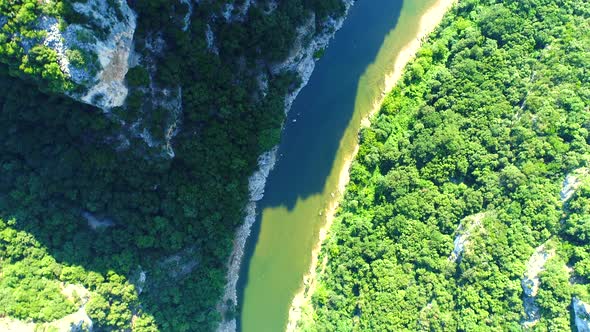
<point x="474" y="143"/>
<point x="65" y="171"/>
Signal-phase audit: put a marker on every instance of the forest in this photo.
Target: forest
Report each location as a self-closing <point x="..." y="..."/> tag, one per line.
<point x="459" y="180"/>
<point x="78" y="209"/>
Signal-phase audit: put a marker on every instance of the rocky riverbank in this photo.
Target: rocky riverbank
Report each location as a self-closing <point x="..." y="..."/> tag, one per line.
<point x="302" y="61"/>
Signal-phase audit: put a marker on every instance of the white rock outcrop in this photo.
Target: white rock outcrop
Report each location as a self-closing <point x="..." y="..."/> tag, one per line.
<point x="95" y="222"/>
<point x="569" y="187"/>
<point x="109" y="89"/>
<point x="141" y="281"/>
<point x="55" y="41"/>
<point x="530" y="283"/>
<point x="157" y="97"/>
<point x="210" y="37"/>
<point x="571" y="183"/>
<point x="231" y="14"/>
<point x="186" y="21"/>
<point x="581" y="314"/>
<point x="138" y="279"/>
<point x="463" y="233"/>
<point x="227" y="11"/>
<point x="104" y="80"/>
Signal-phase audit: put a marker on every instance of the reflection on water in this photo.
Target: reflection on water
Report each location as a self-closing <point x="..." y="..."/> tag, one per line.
<point x="346" y="83"/>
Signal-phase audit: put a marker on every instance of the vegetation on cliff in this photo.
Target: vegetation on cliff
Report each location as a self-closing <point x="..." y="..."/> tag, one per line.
<point x="90" y="202"/>
<point x="475" y="141"/>
<point x="20" y="45"/>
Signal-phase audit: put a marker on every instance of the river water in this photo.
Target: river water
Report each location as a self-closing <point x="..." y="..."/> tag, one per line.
<point x="320" y="133"/>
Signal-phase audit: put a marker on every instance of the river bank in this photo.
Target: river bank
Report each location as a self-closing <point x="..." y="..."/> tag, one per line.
<point x="427" y="23"/>
<point x="301" y="61"/>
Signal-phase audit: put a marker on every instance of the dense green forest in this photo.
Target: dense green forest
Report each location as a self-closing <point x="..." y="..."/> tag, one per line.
<point x="172" y="219"/>
<point x="476" y="140"/>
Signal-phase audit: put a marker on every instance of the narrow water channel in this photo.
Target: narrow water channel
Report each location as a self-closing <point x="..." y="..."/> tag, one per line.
<point x="320" y="133"/>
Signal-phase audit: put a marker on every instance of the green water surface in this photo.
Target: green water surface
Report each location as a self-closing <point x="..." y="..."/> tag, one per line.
<point x="344" y="87"/>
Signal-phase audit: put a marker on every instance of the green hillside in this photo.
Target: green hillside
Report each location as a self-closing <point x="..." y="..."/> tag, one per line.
<point x="458" y="181"/>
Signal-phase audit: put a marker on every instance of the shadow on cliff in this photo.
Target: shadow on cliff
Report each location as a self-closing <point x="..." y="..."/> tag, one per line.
<point x="59" y="161"/>
<point x="44" y="144"/>
<point x="321" y="113"/>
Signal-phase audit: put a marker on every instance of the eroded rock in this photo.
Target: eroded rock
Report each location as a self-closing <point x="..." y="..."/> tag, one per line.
<point x="95" y="222"/>
<point x="180" y="264"/>
<point x="186" y="21"/>
<point x="113" y="52"/>
<point x="463" y="233"/>
<point x="571" y="183"/>
<point x="530" y="283"/>
<point x="106" y="59"/>
<point x="581" y="315"/>
<point x="210" y="37"/>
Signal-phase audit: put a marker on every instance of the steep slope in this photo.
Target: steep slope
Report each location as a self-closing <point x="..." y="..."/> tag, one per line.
<point x="86" y="59"/>
<point x="84" y="49"/>
<point x="152" y="193"/>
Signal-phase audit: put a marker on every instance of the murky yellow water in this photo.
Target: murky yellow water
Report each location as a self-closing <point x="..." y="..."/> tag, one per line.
<point x="289" y="229"/>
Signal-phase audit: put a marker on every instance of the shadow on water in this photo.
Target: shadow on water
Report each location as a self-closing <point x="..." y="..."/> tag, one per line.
<point x="324" y="107"/>
<point x="319" y="119"/>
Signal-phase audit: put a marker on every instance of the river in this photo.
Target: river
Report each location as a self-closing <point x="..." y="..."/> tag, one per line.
<point x="320" y="134"/>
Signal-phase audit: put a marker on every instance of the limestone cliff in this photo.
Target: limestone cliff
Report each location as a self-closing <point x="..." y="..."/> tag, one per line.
<point x="93" y="54"/>
<point x="581" y="314"/>
<point x="85" y="49"/>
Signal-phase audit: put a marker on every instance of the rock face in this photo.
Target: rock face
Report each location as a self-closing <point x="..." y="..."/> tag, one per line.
<point x="571" y="183"/>
<point x="96" y="223"/>
<point x="187" y="18"/>
<point x="530" y="283"/>
<point x="569" y="187"/>
<point x="256" y="186"/>
<point x="180" y="264"/>
<point x="581" y="314"/>
<point x="464" y="231"/>
<point x="96" y="55"/>
<point x="113" y="53"/>
<point x="106" y="59"/>
<point x="138" y="279"/>
<point x="157" y="97"/>
<point x="210" y="37"/>
<point x="54" y="40"/>
<point x="232" y="13"/>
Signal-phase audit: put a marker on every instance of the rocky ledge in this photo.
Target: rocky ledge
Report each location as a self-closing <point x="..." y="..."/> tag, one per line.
<point x="581" y="314"/>
<point x="84" y="50"/>
<point x="93" y="55"/>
